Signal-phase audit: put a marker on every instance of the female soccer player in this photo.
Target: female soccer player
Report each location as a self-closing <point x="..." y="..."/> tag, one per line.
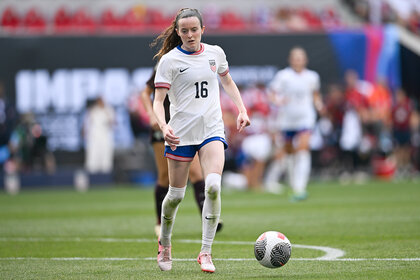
<point x="158" y="144"/>
<point x="187" y="73"/>
<point x="295" y="90"/>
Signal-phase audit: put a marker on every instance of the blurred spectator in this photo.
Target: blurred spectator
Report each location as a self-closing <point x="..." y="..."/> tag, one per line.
<point x="402" y="12"/>
<point x="257" y="144"/>
<point x="355" y="148"/>
<point x="327" y="155"/>
<point x="28" y="146"/>
<point x="402" y="115"/>
<point x="380" y="107"/>
<point x="335" y="108"/>
<point x="415" y="139"/>
<point x="356" y="94"/>
<point x="139" y="118"/>
<point x="98" y="131"/>
<point x="8" y="120"/>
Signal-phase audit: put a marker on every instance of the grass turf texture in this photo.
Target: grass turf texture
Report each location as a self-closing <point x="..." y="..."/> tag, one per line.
<point x="378" y="220"/>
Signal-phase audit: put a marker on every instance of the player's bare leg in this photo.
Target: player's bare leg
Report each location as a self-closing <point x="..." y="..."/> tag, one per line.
<point x="162" y="183"/>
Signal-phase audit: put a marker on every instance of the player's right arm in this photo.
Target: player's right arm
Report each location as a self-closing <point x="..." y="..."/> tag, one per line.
<point x="275" y="93"/>
<point x="145" y="96"/>
<point x="159" y="111"/>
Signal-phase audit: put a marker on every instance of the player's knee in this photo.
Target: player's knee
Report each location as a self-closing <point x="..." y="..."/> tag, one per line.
<point x="175" y="196"/>
<point x="213" y="185"/>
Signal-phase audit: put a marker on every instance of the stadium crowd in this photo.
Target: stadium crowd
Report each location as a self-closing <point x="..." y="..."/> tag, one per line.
<point x="366" y="129"/>
<point x="143" y="19"/>
<point x="404" y="12"/>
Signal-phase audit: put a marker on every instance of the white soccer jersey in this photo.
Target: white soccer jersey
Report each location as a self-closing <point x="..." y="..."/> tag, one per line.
<point x="194" y="94"/>
<point x="296" y="90"/>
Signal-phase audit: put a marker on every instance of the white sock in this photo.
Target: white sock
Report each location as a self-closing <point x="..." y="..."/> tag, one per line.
<point x="302" y="171"/>
<point x="290" y="164"/>
<point x="169" y="208"/>
<point x="211" y="210"/>
<point x="275" y="170"/>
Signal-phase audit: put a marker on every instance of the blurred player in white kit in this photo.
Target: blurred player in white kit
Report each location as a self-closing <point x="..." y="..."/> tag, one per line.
<point x="295" y="90"/>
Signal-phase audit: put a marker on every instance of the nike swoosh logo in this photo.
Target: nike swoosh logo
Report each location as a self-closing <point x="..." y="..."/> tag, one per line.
<point x="183" y="70"/>
<point x="207" y="218"/>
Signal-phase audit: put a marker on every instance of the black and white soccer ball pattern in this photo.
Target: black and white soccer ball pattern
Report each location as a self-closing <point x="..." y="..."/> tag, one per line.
<point x="272" y="249"/>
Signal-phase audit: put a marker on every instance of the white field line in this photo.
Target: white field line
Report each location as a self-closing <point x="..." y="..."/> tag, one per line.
<point x="194" y="260"/>
<point x="331" y="254"/>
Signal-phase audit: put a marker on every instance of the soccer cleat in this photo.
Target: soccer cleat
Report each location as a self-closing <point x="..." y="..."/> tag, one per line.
<point x="298" y="197"/>
<point x="204" y="259"/>
<point x="164" y="258"/>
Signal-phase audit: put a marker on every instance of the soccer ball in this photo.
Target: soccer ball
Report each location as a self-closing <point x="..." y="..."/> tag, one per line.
<point x="272" y="249"/>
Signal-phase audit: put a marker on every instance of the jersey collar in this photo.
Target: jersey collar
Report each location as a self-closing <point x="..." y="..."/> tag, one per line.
<point x="191" y="53"/>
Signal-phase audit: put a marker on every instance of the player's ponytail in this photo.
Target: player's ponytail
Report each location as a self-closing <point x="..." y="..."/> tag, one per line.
<point x="169" y="39"/>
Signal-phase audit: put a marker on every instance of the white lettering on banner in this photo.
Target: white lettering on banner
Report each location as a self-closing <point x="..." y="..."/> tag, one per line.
<point x="249" y="75"/>
<point x="58" y="92"/>
<point x="63" y="131"/>
<point x="85" y="84"/>
<point x="58" y="98"/>
<point x="116" y="86"/>
<point x="24" y="82"/>
<point x="141" y="76"/>
<point x="66" y="91"/>
<point x="42" y="84"/>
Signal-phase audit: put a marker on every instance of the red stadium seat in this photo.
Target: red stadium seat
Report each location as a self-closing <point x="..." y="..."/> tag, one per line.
<point x="133" y="20"/>
<point x="156" y="20"/>
<point x="62" y="21"/>
<point x="34" y="22"/>
<point x="83" y="22"/>
<point x="231" y="21"/>
<point x="311" y="18"/>
<point x="110" y="22"/>
<point x="329" y="18"/>
<point x="10" y="19"/>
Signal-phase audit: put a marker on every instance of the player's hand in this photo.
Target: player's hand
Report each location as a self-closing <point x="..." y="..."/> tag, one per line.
<point x="242" y="121"/>
<point x="169" y="136"/>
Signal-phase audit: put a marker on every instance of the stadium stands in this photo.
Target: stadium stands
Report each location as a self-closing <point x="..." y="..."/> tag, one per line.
<point x="77" y="18"/>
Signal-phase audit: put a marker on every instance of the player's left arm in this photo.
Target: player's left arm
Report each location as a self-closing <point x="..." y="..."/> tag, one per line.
<point x="232" y="90"/>
<point x="317" y="96"/>
<point x="319" y="103"/>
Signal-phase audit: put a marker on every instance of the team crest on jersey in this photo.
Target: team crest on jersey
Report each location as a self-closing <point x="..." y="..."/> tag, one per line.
<point x="212" y="63"/>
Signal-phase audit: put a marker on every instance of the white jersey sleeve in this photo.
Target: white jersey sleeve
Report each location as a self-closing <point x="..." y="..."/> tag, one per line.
<point x="276" y="84"/>
<point x="164" y="73"/>
<point x="223" y="68"/>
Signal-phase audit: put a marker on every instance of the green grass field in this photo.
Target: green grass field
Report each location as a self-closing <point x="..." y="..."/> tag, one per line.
<point x="108" y="234"/>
